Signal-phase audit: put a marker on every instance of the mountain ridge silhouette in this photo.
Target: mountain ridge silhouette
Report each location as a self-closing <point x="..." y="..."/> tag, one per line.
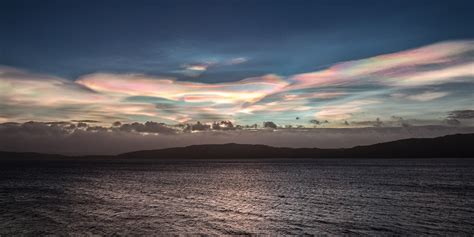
<point x="449" y="146"/>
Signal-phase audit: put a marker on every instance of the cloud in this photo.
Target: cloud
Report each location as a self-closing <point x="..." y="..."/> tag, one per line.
<point x="443" y="75"/>
<point x="85" y="121"/>
<point x="41" y="137"/>
<point x="375" y="123"/>
<point x="148" y="127"/>
<point x="427" y="96"/>
<point x="347" y="90"/>
<point x="407" y="68"/>
<point x="461" y="114"/>
<point x="314" y="95"/>
<point x="452" y="122"/>
<point x="343" y="111"/>
<point x="20" y="87"/>
<point x="247" y="90"/>
<point x="197" y="69"/>
<point x="235" y="61"/>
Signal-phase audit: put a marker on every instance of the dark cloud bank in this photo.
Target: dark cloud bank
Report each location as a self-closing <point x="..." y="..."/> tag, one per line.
<point x="80" y="138"/>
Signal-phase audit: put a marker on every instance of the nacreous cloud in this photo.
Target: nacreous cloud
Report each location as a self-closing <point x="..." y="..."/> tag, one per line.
<point x="247" y="90"/>
<point x="432" y="64"/>
<point x="412" y="84"/>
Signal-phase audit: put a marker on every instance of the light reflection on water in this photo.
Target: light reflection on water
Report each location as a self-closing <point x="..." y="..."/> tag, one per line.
<point x="238" y="197"/>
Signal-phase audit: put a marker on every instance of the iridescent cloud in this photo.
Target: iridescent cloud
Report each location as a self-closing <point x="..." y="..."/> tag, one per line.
<point x="423" y="66"/>
<point x="412" y="83"/>
<point x="343" y="111"/>
<point x="247" y="90"/>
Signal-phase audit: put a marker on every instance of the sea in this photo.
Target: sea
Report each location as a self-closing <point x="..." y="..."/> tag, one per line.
<point x="237" y="197"/>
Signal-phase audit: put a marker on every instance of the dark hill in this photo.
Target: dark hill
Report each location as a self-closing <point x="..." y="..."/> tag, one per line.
<point x="459" y="145"/>
<point x="451" y="146"/>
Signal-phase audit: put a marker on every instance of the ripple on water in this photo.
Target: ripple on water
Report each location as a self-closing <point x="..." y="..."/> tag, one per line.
<point x="238" y="197"/>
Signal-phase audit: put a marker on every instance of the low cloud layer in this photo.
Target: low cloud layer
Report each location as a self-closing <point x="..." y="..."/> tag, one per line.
<point x="79" y="138"/>
<point x="462" y="114"/>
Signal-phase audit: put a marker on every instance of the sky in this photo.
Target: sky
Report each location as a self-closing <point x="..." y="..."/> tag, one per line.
<point x="325" y="64"/>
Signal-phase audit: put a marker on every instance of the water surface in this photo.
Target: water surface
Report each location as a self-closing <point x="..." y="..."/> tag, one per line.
<point x="324" y="196"/>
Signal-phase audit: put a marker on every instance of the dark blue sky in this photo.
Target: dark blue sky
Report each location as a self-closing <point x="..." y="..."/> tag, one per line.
<point x="73" y="38"/>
